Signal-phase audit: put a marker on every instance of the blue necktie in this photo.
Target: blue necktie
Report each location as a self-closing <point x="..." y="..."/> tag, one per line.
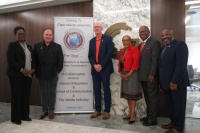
<point x="166" y="46"/>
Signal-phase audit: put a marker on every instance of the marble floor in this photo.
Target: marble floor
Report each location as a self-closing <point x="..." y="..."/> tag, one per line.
<point x="193" y="102"/>
<point x="115" y="122"/>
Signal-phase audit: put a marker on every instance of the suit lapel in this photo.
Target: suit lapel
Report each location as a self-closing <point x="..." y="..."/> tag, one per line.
<point x="101" y="44"/>
<point x="167" y="50"/>
<point x="147" y="42"/>
<point x="20" y="49"/>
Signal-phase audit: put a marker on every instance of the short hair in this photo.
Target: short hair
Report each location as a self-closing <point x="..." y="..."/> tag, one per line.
<point x="48" y="29"/>
<point x="127" y="36"/>
<point x="145" y="27"/>
<point x="18" y="28"/>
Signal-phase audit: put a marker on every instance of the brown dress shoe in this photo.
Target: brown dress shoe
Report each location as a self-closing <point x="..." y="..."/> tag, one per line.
<point x="106" y="115"/>
<point x="51" y="115"/>
<point x="95" y="114"/>
<point x="173" y="131"/>
<point x="43" y="115"/>
<point x="167" y="126"/>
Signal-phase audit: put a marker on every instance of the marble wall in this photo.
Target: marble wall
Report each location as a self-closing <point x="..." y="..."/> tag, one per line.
<point x="134" y="13"/>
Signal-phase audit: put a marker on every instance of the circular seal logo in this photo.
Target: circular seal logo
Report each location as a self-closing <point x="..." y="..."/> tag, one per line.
<point x="74" y="39"/>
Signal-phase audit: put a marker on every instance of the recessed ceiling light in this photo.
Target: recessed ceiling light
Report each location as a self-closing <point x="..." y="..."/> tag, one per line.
<point x="192" y="2"/>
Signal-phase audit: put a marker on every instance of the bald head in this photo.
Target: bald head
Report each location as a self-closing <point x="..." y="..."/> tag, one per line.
<point x="98" y="28"/>
<point x="167" y="36"/>
<point x="48" y="36"/>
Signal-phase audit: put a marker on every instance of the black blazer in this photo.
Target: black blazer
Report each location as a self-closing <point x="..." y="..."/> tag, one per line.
<point x="16" y="59"/>
<point x="50" y="64"/>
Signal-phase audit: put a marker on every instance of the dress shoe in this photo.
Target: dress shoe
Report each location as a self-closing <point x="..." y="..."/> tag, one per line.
<point x="51" y="115"/>
<point x="43" y="115"/>
<point x="149" y="122"/>
<point x="95" y="114"/>
<point x="127" y="118"/>
<point x="167" y="126"/>
<point x="17" y="122"/>
<point x="143" y="119"/>
<point x="27" y="119"/>
<point x="131" y="122"/>
<point x="173" y="131"/>
<point x="106" y="115"/>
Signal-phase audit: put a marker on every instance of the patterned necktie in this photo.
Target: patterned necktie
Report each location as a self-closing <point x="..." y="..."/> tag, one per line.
<point x="142" y="46"/>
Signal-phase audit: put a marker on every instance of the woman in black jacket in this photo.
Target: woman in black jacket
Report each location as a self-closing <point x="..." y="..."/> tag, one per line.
<point x="20" y="69"/>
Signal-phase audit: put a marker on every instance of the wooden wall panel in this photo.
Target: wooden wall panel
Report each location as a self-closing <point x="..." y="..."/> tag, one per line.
<point x="167" y="14"/>
<point x="34" y="21"/>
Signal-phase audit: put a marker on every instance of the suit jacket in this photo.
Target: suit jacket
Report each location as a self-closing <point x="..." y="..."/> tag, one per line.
<point x="16" y="59"/>
<point x="173" y="65"/>
<point x="149" y="59"/>
<point x="50" y="64"/>
<point x="105" y="53"/>
<point x="131" y="59"/>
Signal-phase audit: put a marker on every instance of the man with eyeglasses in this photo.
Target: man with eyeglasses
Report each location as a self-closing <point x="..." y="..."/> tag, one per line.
<point x="148" y="74"/>
<point x="99" y="55"/>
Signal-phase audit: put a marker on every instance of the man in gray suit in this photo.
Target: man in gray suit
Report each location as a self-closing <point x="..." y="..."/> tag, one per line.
<point x="148" y="74"/>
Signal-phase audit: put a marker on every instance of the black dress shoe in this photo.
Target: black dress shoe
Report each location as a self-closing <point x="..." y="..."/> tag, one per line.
<point x="127" y="118"/>
<point x="143" y="119"/>
<point x="131" y="122"/>
<point x="27" y="119"/>
<point x="17" y="122"/>
<point x="149" y="123"/>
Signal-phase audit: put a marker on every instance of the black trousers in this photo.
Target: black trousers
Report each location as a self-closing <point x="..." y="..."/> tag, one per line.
<point x="20" y="93"/>
<point x="151" y="91"/>
<point x="176" y="105"/>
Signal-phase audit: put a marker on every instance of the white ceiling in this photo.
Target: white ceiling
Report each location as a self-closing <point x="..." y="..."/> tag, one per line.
<point x="18" y="5"/>
<point x="193" y="25"/>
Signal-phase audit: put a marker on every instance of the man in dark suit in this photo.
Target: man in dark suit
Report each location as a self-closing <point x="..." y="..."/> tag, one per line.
<point x="100" y="51"/>
<point x="49" y="62"/>
<point x="174" y="80"/>
<point x="20" y="69"/>
<point x="148" y="74"/>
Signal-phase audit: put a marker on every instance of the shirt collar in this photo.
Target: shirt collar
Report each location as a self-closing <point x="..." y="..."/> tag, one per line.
<point x="145" y="40"/>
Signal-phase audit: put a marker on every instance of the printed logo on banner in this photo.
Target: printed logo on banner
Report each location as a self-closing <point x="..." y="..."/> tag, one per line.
<point x="74" y="39"/>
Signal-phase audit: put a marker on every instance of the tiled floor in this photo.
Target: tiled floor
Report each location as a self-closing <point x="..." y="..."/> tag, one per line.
<point x="115" y="122"/>
<point x="193" y="102"/>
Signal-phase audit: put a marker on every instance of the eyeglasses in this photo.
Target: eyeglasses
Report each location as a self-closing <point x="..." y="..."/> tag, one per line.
<point x="97" y="27"/>
<point x="126" y="40"/>
<point x="21" y="34"/>
<point x="143" y="31"/>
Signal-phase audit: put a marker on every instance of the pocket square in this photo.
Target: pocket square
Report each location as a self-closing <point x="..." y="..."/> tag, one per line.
<point x="147" y="48"/>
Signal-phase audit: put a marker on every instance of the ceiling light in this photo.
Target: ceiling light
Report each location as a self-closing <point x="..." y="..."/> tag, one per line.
<point x="194" y="6"/>
<point x="24" y="4"/>
<point x="193" y="26"/>
<point x="7" y="2"/>
<point x="187" y="19"/>
<point x="192" y="2"/>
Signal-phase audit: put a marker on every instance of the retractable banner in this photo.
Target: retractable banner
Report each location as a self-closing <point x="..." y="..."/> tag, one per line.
<point x="74" y="91"/>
